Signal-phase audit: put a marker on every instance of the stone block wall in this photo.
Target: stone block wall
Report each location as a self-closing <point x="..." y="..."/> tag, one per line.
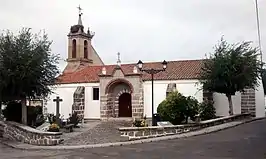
<point x="79" y="101"/>
<point x="21" y="133"/>
<point x="248" y="103"/>
<point x="136" y="133"/>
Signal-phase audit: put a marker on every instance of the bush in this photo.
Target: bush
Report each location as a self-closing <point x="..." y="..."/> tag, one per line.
<point x="54" y="128"/>
<point x="207" y="110"/>
<point x="192" y="108"/>
<point x="174" y="108"/>
<point x="13" y="112"/>
<point x="51" y="118"/>
<point x="74" y="119"/>
<point x="140" y="122"/>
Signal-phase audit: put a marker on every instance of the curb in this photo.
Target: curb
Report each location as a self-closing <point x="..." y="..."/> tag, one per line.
<point x="178" y="136"/>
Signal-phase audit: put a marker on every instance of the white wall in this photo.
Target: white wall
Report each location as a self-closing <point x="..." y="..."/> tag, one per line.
<point x="65" y="92"/>
<point x="260" y="101"/>
<point x="222" y="106"/>
<point x="186" y="87"/>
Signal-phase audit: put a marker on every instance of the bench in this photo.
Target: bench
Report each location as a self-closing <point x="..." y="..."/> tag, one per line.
<point x="69" y="127"/>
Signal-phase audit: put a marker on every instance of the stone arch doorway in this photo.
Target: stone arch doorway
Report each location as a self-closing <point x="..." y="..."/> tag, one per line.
<point x="125" y="105"/>
<point x="118" y="94"/>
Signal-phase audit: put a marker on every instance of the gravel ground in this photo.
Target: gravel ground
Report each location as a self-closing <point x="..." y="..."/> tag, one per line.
<point x="100" y="132"/>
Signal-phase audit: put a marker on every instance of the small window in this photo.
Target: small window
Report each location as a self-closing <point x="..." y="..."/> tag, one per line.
<point x="74" y="49"/>
<point x="95" y="93"/>
<point x="85" y="49"/>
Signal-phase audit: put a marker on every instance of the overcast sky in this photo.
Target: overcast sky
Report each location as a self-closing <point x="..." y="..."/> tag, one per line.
<point x="150" y="30"/>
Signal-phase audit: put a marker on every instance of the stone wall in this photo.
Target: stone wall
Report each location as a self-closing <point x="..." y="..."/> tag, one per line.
<point x="79" y="101"/>
<point x="18" y="132"/>
<point x="248" y="103"/>
<point x="135" y="133"/>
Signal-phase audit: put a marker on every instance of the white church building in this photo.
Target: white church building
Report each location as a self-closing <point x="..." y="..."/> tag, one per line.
<point x="98" y="91"/>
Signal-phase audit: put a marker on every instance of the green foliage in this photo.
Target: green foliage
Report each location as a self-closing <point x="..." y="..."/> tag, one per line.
<point x="207" y="110"/>
<point x="27" y="66"/>
<point x="13" y="112"/>
<point x="176" y="108"/>
<point x="140" y="122"/>
<point x="231" y="68"/>
<point x="192" y="108"/>
<point x="74" y="119"/>
<point x="51" y="118"/>
<point x="54" y="128"/>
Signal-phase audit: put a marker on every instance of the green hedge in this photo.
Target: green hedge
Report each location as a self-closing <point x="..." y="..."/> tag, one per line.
<point x="13" y="112"/>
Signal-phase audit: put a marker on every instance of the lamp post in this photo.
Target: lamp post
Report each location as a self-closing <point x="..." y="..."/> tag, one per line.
<point x="152" y="72"/>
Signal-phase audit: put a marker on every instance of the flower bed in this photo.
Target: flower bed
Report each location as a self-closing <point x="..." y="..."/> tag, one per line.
<point x="135" y="133"/>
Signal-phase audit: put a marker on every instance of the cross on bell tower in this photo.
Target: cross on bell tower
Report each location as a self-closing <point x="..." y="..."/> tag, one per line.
<point x="118" y="59"/>
<point x="80" y="13"/>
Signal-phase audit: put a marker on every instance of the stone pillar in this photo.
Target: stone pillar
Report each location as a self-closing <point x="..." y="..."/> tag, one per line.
<point x="24" y="111"/>
<point x="137" y="105"/>
<point x="103" y="107"/>
<point x="248" y="103"/>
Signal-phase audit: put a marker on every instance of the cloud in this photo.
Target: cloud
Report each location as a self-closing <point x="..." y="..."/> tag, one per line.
<point x="150" y="30"/>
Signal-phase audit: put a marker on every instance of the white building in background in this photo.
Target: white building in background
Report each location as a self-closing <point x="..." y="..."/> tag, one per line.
<point x="98" y="91"/>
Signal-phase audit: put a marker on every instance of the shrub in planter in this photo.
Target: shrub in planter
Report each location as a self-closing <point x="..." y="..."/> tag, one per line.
<point x="207" y="110"/>
<point x="140" y="122"/>
<point x="54" y="128"/>
<point x="74" y="119"/>
<point x="51" y="118"/>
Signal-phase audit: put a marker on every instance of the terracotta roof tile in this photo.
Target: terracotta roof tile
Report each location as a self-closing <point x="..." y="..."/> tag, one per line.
<point x="176" y="70"/>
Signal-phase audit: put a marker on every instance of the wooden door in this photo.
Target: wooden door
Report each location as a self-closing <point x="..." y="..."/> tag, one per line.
<point x="125" y="107"/>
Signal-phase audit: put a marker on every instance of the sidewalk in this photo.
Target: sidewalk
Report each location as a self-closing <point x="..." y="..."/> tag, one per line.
<point x="216" y="128"/>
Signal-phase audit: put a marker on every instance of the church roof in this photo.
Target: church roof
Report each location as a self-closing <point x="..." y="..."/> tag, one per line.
<point x="176" y="70"/>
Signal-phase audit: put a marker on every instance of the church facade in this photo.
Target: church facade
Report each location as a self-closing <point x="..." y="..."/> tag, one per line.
<point x="98" y="91"/>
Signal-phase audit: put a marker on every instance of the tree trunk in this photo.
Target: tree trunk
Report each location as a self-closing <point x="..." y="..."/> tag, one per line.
<point x="1" y="110"/>
<point x="24" y="111"/>
<point x="229" y="97"/>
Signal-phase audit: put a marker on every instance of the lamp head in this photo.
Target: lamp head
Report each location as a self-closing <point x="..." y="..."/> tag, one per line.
<point x="164" y="63"/>
<point x="140" y="64"/>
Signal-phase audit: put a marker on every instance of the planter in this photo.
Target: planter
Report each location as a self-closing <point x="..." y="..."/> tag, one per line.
<point x="53" y="130"/>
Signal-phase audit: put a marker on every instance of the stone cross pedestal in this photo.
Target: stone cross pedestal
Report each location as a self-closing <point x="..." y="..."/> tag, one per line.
<point x="57" y="101"/>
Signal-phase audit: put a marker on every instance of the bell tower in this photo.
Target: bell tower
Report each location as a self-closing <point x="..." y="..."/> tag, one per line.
<point x="80" y="50"/>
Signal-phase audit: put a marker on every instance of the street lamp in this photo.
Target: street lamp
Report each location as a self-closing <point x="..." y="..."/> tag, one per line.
<point x="152" y="72"/>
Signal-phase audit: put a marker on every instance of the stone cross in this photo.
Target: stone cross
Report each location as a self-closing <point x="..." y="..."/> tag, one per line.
<point x="57" y="100"/>
<point x="79" y="8"/>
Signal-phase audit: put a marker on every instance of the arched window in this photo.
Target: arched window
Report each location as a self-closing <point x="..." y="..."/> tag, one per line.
<point x="74" y="49"/>
<point x="85" y="49"/>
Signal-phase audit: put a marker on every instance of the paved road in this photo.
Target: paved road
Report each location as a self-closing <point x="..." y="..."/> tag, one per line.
<point x="242" y="142"/>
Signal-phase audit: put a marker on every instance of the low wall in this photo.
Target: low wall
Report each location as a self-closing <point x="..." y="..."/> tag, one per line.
<point x="22" y="133"/>
<point x="135" y="133"/>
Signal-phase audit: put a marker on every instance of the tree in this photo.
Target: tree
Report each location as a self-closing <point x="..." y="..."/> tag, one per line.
<point x="263" y="74"/>
<point x="27" y="67"/>
<point x="232" y="68"/>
